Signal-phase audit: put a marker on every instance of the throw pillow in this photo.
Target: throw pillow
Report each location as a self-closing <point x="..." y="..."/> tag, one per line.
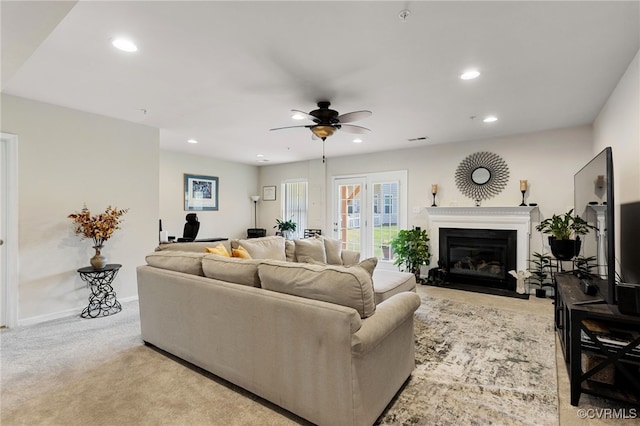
<point x="368" y="265"/>
<point x="310" y="249"/>
<point x="241" y="253"/>
<point x="346" y="286"/>
<point x="230" y="269"/>
<point x="264" y="247"/>
<point x="220" y="250"/>
<point x="180" y="261"/>
<point x="333" y="250"/>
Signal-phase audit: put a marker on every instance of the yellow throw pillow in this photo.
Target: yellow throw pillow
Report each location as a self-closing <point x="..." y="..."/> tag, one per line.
<point x="241" y="253"/>
<point x="220" y="250"/>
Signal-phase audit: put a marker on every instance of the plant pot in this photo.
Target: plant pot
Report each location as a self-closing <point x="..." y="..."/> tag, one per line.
<point x="564" y="249"/>
<point x="541" y="293"/>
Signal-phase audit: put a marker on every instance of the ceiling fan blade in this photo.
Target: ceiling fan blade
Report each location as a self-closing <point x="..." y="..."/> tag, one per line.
<point x="290" y="127"/>
<point x="306" y="115"/>
<point x="354" y="116"/>
<point x="352" y="128"/>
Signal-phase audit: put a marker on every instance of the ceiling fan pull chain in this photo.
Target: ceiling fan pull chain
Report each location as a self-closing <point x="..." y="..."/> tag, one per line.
<point x="323" y="139"/>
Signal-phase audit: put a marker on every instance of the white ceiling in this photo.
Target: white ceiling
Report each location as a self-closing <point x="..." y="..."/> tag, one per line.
<point x="224" y="73"/>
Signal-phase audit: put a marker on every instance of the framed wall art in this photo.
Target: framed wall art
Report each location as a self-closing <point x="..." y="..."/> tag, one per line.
<point x="269" y="193"/>
<point x="200" y="192"/>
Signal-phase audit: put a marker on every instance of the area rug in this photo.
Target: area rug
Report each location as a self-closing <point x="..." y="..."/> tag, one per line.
<point x="478" y="365"/>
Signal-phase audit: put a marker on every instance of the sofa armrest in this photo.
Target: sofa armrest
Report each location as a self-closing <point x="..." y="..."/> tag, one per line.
<point x="350" y="257"/>
<point x="389" y="315"/>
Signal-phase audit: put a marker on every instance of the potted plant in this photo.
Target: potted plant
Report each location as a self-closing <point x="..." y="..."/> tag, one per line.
<point x="562" y="229"/>
<point x="541" y="273"/>
<point x="411" y="250"/>
<point x="286" y="227"/>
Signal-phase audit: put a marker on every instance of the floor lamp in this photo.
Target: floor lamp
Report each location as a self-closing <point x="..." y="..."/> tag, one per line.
<point x="255" y="199"/>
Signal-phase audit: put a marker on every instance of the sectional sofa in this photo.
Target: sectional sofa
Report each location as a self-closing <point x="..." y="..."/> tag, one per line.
<point x="306" y="335"/>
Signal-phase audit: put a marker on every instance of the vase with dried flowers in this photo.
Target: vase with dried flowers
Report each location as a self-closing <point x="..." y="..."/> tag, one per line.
<point x="99" y="228"/>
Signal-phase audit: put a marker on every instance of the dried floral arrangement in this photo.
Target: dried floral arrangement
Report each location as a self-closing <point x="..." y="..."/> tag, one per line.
<point x="99" y="227"/>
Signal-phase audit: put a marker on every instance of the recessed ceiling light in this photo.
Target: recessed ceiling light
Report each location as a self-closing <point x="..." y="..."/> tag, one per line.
<point x="470" y="74"/>
<point x="357" y="140"/>
<point x="124" y="44"/>
<point x="490" y="119"/>
<point x="297" y="116"/>
<point x="192" y="141"/>
<point x="260" y="155"/>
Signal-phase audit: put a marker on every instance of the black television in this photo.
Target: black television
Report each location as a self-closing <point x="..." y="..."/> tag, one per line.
<point x="593" y="202"/>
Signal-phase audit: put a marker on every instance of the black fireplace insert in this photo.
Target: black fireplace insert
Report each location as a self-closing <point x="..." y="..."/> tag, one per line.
<point x="480" y="257"/>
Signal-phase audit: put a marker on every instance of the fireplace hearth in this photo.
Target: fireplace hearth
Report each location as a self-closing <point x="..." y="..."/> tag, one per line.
<point x="479" y="257"/>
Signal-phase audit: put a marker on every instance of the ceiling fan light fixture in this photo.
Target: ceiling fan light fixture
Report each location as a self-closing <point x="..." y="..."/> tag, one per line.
<point x="357" y="140"/>
<point x="323" y="131"/>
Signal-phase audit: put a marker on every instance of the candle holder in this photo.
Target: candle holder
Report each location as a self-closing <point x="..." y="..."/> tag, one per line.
<point x="523" y="192"/>
<point x="434" y="199"/>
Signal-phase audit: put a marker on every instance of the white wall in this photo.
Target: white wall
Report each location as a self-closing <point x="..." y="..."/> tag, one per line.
<point x="618" y="126"/>
<point x="237" y="182"/>
<point x="548" y="160"/>
<point x="67" y="158"/>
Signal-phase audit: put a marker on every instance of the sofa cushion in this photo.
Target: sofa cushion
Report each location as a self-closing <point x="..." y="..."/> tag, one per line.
<point x="290" y="251"/>
<point x="310" y="250"/>
<point x="368" y="265"/>
<point x="389" y="283"/>
<point x="263" y="247"/>
<point x="333" y="249"/>
<point x="346" y="286"/>
<point x="180" y="261"/>
<point x="220" y="250"/>
<point x="234" y="270"/>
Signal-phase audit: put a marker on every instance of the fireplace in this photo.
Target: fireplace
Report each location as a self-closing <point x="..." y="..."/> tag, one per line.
<point x="480" y="257"/>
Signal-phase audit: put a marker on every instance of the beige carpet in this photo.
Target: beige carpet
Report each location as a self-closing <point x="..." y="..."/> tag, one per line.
<point x="78" y="372"/>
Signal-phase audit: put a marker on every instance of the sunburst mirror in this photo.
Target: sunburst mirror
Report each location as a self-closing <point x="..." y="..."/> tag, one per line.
<point x="482" y="175"/>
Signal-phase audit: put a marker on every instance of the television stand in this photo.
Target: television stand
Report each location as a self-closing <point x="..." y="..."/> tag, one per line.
<point x="600" y="345"/>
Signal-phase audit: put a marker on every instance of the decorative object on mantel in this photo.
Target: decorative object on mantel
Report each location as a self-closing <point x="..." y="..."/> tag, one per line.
<point x="434" y="191"/>
<point x="523" y="189"/>
<point x="481" y="176"/>
<point x="99" y="228"/>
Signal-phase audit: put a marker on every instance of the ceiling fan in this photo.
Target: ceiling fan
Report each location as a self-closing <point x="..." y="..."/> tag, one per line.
<point x="327" y="121"/>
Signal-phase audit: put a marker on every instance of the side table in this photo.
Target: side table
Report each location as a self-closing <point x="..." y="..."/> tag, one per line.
<point x="102" y="300"/>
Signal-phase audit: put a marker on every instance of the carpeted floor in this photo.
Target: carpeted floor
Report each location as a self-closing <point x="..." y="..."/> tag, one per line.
<point x="477" y="363"/>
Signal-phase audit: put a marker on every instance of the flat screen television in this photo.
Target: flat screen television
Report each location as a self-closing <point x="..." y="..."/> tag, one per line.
<point x="593" y="202"/>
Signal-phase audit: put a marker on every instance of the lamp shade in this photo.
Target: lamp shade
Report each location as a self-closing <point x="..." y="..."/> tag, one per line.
<point x="255" y="198"/>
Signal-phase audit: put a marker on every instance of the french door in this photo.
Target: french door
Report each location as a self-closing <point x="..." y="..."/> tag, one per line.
<point x="368" y="212"/>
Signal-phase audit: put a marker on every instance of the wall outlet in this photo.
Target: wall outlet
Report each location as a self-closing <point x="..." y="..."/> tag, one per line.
<point x="416" y="209"/>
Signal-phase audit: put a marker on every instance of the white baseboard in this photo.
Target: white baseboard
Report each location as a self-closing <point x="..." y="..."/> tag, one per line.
<point x="23" y="322"/>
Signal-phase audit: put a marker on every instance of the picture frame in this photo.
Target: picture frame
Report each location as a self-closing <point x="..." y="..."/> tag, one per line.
<point x="200" y="192"/>
<point x="269" y="193"/>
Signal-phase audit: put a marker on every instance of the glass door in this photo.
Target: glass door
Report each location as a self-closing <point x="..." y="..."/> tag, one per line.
<point x="348" y="223"/>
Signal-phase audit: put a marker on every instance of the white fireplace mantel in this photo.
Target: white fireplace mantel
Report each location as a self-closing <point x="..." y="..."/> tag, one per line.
<point x="510" y="218"/>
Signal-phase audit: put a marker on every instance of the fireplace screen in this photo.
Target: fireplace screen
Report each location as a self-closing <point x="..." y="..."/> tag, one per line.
<point x="479" y="256"/>
<point x="487" y="259"/>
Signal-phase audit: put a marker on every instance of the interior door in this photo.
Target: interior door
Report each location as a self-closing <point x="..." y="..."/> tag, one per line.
<point x="349" y="224"/>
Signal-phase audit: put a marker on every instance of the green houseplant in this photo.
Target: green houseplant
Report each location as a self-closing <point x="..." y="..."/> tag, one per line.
<point x="411" y="250"/>
<point x="286" y="227"/>
<point x="565" y="231"/>
<point x="540" y="272"/>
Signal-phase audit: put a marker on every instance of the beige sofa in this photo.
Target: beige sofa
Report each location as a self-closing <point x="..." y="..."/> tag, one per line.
<point x="308" y="337"/>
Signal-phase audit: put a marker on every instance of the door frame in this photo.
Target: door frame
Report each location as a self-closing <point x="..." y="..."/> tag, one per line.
<point x="9" y="229"/>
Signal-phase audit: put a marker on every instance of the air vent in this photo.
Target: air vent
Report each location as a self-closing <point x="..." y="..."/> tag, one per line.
<point x="421" y="138"/>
